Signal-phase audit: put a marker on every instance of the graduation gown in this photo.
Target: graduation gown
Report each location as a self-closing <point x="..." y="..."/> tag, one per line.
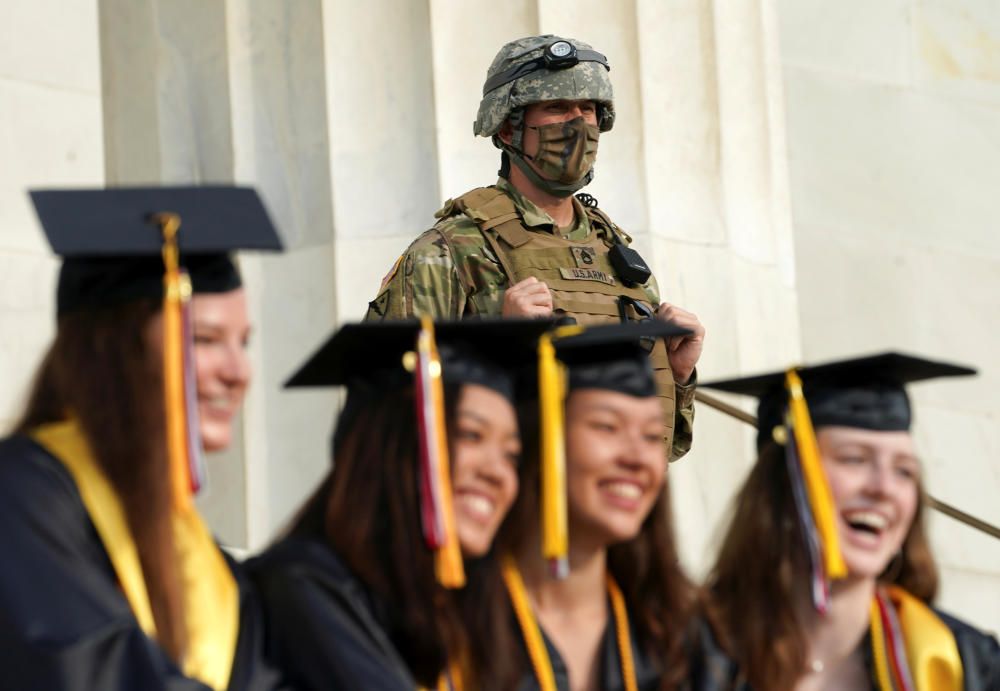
<point x="647" y="672"/>
<point x="64" y="622"/>
<point x="714" y="670"/>
<point x="325" y="630"/>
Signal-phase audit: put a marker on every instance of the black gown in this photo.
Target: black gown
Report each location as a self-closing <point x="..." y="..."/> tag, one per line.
<point x="980" y="653"/>
<point x="325" y="630"/>
<point x="64" y="622"/>
<point x="647" y="672"/>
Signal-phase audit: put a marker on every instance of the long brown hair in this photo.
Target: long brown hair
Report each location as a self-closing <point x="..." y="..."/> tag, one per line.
<point x="100" y="371"/>
<point x="368" y="510"/>
<point x="760" y="580"/>
<point x="657" y="592"/>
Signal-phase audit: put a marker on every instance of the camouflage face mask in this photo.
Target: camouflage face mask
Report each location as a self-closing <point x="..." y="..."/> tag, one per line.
<point x="566" y="150"/>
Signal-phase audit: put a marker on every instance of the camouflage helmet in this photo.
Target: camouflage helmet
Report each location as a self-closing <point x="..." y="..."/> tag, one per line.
<point x="544" y="68"/>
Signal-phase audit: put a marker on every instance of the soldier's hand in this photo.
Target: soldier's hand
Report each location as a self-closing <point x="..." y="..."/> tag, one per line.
<point x="529" y="298"/>
<point x="683" y="351"/>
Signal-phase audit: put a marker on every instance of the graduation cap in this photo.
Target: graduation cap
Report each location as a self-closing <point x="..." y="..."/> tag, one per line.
<point x="614" y="357"/>
<point x="371" y="357"/>
<point x="112" y="240"/>
<point x="162" y="243"/>
<point x="864" y="392"/>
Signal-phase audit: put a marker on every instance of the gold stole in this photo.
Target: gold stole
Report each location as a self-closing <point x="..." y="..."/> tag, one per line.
<point x="210" y="593"/>
<point x="931" y="652"/>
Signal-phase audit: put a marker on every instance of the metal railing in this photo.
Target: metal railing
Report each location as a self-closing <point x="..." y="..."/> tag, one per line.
<point x="937" y="504"/>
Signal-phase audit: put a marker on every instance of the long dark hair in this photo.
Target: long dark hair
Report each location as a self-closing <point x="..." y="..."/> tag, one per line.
<point x="368" y="510"/>
<point x="657" y="592"/>
<point x="100" y="371"/>
<point x="760" y="580"/>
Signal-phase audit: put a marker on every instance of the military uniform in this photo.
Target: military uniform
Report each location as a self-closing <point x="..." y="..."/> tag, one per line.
<point x="458" y="269"/>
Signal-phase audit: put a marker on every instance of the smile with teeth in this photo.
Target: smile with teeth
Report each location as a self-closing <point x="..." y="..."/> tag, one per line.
<point x="477" y="505"/>
<point x="625" y="490"/>
<point x="218" y="404"/>
<point x="867" y="521"/>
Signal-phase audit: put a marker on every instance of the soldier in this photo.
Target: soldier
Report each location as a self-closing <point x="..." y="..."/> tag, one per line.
<point x="527" y="246"/>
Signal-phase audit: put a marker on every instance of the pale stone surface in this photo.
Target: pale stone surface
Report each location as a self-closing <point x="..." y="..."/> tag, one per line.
<point x="382" y="138"/>
<point x="51" y="43"/>
<point x="867" y="40"/>
<point x="957" y="47"/>
<point x="679" y="94"/>
<point x="966" y="594"/>
<point x="50" y="135"/>
<point x="41" y="147"/>
<point x="906" y="166"/>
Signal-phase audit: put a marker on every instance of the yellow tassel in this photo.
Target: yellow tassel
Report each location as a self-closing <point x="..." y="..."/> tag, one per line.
<point x="448" y="566"/>
<point x="817" y="486"/>
<point x="174" y="293"/>
<point x="551" y="396"/>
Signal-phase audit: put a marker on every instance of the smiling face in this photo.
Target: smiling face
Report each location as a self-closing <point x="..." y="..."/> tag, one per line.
<point x="485" y="451"/>
<point x="615" y="463"/>
<point x="874" y="478"/>
<point x="222" y="365"/>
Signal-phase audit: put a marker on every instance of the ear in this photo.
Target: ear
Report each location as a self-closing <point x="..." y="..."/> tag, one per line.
<point x="506" y="132"/>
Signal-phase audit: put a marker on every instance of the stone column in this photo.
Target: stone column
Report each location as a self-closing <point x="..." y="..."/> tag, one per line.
<point x="50" y="136"/>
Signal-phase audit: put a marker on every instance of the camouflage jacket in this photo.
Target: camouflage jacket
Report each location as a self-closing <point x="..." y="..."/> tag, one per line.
<point x="450" y="272"/>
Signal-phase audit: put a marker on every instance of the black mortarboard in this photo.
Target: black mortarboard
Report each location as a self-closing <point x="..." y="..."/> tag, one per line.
<point x="489" y="352"/>
<point x="111" y="245"/>
<point x="614" y="356"/>
<point x="866" y="392"/>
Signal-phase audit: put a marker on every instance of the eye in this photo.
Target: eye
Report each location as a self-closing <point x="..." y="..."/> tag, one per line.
<point x="468" y="435"/>
<point x="851" y="459"/>
<point x="203" y="338"/>
<point x="907" y="472"/>
<point x="653" y="437"/>
<point x="602" y="426"/>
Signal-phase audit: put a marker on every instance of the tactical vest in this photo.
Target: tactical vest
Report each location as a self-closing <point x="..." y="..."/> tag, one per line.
<point x="579" y="274"/>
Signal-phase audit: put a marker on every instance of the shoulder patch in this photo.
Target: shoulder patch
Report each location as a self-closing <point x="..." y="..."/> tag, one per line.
<point x="392" y="272"/>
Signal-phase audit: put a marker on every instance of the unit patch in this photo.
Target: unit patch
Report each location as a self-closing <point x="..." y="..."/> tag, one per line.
<point x="575" y="274"/>
<point x="584" y="256"/>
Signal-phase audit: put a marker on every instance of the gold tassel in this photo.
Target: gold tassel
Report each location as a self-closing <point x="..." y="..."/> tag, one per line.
<point x="176" y="291"/>
<point x="817" y="487"/>
<point x="448" y="565"/>
<point x="551" y="397"/>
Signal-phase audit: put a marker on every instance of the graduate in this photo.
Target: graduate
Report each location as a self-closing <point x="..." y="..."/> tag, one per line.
<point x="825" y="577"/>
<point x="360" y="594"/>
<point x="595" y="598"/>
<point x="111" y="580"/>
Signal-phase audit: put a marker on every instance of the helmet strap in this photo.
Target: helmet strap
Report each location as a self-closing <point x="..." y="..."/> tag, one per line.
<point x="516" y="119"/>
